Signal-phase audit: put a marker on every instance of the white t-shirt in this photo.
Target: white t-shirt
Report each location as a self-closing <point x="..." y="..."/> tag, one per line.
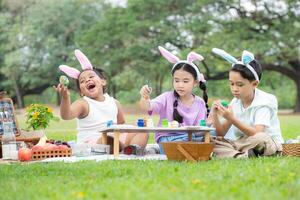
<point x="262" y="111"/>
<point x="100" y="112"/>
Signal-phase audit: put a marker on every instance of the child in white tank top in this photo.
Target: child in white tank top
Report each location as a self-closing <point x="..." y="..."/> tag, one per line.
<point x="96" y="107"/>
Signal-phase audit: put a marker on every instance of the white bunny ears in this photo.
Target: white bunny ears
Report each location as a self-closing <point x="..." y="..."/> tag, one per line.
<point x="84" y="62"/>
<point x="247" y="57"/>
<point x="191" y="57"/>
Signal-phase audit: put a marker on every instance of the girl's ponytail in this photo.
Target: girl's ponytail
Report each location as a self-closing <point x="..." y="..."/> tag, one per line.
<point x="176" y="116"/>
<point x="202" y="86"/>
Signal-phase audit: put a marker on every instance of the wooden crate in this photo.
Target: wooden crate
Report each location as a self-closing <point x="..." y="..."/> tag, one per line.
<point x="43" y="154"/>
<point x="191" y="151"/>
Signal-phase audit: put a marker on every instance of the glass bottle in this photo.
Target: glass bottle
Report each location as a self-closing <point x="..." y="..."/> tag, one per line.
<point x="9" y="147"/>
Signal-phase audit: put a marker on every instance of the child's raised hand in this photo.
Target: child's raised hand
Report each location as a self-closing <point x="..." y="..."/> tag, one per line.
<point x="225" y="112"/>
<point x="62" y="90"/>
<point x="215" y="106"/>
<point x="145" y="92"/>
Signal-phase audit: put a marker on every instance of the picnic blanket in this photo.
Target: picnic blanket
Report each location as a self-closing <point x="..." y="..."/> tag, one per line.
<point x="99" y="158"/>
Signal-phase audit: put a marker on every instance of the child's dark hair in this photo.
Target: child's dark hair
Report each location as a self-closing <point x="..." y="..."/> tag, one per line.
<point x="246" y="73"/>
<point x="202" y="86"/>
<point x="100" y="72"/>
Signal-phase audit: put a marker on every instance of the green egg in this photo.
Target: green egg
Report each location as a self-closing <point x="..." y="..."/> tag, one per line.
<point x="224" y="103"/>
<point x="64" y="80"/>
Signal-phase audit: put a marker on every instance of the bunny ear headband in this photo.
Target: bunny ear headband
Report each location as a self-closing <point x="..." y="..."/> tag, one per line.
<point x="191" y="57"/>
<point x="247" y="57"/>
<point x="84" y="62"/>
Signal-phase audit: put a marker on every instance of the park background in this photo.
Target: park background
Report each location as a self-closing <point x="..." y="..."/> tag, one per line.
<point x="121" y="37"/>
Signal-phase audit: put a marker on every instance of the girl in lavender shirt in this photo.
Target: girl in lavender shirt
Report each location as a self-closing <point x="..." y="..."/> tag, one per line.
<point x="181" y="104"/>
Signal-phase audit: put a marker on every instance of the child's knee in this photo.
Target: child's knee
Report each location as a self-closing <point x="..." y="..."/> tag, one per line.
<point x="260" y="137"/>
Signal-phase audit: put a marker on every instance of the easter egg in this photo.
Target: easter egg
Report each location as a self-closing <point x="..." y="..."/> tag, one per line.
<point x="64" y="80"/>
<point x="224" y="103"/>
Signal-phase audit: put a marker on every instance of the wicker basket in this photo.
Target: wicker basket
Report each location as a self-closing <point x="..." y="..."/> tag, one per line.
<point x="43" y="154"/>
<point x="292" y="149"/>
<point x="191" y="151"/>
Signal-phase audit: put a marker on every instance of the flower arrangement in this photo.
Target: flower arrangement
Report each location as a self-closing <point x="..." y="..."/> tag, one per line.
<point x="39" y="116"/>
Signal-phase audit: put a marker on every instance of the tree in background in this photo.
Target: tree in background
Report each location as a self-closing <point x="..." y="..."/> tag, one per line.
<point x="270" y="29"/>
<point x="38" y="42"/>
<point x="123" y="40"/>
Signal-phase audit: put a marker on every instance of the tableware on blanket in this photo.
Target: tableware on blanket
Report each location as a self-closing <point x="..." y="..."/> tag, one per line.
<point x="81" y="150"/>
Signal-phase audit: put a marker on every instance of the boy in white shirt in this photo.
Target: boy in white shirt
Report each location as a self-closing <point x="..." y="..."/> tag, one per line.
<point x="251" y="125"/>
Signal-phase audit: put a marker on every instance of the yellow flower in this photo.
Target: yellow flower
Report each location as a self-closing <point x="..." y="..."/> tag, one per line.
<point x="49" y="110"/>
<point x="35" y="115"/>
<point x="39" y="116"/>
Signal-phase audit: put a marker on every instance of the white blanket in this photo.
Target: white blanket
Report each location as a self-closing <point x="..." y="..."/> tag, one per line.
<point x="99" y="158"/>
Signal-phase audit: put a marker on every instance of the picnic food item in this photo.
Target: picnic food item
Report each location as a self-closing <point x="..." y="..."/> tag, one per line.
<point x="24" y="154"/>
<point x="64" y="80"/>
<point x="40" y="145"/>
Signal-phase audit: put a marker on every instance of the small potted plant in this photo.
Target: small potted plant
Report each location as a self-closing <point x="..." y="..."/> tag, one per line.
<point x="39" y="116"/>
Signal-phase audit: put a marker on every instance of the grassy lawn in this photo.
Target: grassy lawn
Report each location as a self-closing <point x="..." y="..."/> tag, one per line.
<point x="261" y="178"/>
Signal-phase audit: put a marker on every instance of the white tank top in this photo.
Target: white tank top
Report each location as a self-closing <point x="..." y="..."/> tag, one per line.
<point x="100" y="112"/>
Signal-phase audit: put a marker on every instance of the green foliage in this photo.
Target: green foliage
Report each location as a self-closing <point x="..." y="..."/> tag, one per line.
<point x="39" y="116"/>
<point x="123" y="41"/>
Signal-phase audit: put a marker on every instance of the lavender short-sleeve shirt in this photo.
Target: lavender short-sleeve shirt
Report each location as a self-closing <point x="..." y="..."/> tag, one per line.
<point x="163" y="106"/>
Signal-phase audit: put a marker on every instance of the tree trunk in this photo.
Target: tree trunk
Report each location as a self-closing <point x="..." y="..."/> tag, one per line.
<point x="19" y="98"/>
<point x="297" y="106"/>
<point x="157" y="86"/>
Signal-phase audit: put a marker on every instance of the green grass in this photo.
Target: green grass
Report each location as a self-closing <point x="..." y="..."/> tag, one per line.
<point x="260" y="178"/>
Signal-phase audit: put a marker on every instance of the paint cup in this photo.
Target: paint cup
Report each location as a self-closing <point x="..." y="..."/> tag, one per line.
<point x="164" y="123"/>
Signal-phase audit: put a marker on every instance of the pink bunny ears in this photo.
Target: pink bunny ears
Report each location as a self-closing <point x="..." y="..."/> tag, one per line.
<point x="191" y="57"/>
<point x="84" y="62"/>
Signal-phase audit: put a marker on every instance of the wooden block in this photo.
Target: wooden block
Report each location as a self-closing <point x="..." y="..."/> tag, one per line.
<point x="207" y="137"/>
<point x="116" y="143"/>
<point x="104" y="138"/>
